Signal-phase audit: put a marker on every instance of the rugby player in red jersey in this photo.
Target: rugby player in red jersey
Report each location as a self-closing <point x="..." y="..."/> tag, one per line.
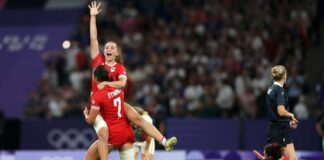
<point x="272" y="151"/>
<point x="112" y="60"/>
<point x="109" y="103"/>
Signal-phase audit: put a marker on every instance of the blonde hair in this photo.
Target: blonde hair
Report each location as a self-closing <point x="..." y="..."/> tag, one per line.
<point x="278" y="72"/>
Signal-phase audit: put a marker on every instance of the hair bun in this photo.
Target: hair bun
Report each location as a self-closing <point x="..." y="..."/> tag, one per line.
<point x="277" y="72"/>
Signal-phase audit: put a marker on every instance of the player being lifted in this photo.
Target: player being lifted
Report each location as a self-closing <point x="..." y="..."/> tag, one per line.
<point x="112" y="60"/>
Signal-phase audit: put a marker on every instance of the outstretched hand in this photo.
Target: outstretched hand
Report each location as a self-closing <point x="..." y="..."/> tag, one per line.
<point x="94" y="8"/>
<point x="258" y="155"/>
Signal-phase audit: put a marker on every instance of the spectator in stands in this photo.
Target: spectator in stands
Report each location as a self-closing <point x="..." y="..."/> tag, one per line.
<point x="295" y="86"/>
<point x="301" y="109"/>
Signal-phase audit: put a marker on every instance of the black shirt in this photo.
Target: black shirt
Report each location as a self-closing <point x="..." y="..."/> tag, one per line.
<point x="276" y="95"/>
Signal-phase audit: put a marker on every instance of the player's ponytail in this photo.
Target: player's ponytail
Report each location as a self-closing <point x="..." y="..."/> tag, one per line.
<point x="119" y="57"/>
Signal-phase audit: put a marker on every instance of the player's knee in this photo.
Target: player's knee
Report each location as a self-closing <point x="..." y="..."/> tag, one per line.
<point x="103" y="133"/>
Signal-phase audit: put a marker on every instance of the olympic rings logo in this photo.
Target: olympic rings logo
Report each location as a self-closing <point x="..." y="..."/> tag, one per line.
<point x="71" y="138"/>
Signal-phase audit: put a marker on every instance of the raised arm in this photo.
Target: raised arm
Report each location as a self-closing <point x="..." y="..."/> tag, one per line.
<point x="94" y="45"/>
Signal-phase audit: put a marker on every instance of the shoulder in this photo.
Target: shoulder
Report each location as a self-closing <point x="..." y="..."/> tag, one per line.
<point x="274" y="90"/>
<point x="99" y="94"/>
<point x="99" y="56"/>
<point x="271" y="90"/>
<point x="118" y="65"/>
<point x="95" y="94"/>
<point x="121" y="69"/>
<point x="281" y="90"/>
<point x="98" y="60"/>
<point x="96" y="98"/>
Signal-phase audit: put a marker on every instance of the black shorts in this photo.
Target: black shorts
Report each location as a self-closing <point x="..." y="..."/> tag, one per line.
<point x="279" y="133"/>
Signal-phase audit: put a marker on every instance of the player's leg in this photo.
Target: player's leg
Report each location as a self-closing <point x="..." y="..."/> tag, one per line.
<point x="148" y="128"/>
<point x="102" y="131"/>
<point x="134" y="117"/>
<point x="290" y="152"/>
<point x="144" y="155"/>
<point x="102" y="143"/>
<point x="148" y="154"/>
<point x="126" y="152"/>
<point x="136" y="150"/>
<point x="92" y="153"/>
<point x="151" y="150"/>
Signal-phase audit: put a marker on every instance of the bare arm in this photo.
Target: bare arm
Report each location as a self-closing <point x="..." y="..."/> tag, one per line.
<point x="258" y="155"/>
<point x="91" y="115"/>
<point x="283" y="112"/>
<point x="121" y="83"/>
<point x="94" y="45"/>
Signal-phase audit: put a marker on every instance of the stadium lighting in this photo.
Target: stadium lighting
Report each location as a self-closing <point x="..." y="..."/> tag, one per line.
<point x="66" y="44"/>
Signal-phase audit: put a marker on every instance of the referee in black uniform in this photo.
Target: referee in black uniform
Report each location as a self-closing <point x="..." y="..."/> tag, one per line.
<point x="277" y="109"/>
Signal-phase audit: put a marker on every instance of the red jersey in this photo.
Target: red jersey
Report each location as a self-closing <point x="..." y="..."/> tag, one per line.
<point x="116" y="70"/>
<point x="110" y="101"/>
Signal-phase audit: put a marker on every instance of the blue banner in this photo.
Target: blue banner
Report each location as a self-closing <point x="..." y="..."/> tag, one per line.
<point x="57" y="134"/>
<point x="21" y="61"/>
<point x="235" y="134"/>
<point x="205" y="133"/>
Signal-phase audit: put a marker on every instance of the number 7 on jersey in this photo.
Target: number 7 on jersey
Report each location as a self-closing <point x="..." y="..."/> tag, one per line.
<point x="117" y="103"/>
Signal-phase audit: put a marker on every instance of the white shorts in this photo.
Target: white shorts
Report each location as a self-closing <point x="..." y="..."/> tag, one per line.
<point x="140" y="147"/>
<point x="99" y="123"/>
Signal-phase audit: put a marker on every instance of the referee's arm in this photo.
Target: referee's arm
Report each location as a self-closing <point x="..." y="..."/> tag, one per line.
<point x="284" y="113"/>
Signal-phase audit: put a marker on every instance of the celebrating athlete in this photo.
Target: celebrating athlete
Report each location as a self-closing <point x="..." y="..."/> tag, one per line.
<point x="112" y="60"/>
<point x="109" y="102"/>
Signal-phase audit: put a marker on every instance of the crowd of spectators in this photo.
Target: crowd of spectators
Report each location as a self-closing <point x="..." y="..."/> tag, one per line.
<point x="187" y="58"/>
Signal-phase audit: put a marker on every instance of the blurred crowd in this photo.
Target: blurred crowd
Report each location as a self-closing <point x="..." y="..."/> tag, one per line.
<point x="187" y="58"/>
